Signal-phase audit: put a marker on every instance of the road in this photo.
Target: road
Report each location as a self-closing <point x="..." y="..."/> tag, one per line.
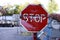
<point x="11" y="33"/>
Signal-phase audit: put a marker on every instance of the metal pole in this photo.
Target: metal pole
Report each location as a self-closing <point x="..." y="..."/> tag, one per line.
<point x="34" y="36"/>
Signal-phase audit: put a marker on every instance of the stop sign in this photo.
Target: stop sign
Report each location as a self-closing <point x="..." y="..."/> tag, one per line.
<point x="34" y="17"/>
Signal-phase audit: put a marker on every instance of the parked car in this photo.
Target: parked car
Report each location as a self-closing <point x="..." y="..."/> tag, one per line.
<point x="7" y="21"/>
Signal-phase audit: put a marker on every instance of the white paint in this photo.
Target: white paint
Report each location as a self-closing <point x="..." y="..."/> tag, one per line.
<point x="34" y="17"/>
<point x="55" y="24"/>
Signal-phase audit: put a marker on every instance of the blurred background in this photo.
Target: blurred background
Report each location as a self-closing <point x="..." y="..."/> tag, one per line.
<point x="10" y="28"/>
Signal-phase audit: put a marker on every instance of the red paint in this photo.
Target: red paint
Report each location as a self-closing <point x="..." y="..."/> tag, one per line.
<point x="37" y="22"/>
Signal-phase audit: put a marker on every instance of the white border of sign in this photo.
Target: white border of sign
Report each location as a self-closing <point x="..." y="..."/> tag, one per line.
<point x="32" y="31"/>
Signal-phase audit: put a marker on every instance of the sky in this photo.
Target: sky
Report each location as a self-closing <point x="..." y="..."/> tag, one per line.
<point x="12" y="2"/>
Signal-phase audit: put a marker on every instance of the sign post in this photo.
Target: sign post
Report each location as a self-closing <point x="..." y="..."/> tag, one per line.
<point x="34" y="36"/>
<point x="34" y="18"/>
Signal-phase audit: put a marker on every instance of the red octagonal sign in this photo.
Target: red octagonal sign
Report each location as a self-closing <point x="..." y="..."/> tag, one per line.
<point x="34" y="17"/>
